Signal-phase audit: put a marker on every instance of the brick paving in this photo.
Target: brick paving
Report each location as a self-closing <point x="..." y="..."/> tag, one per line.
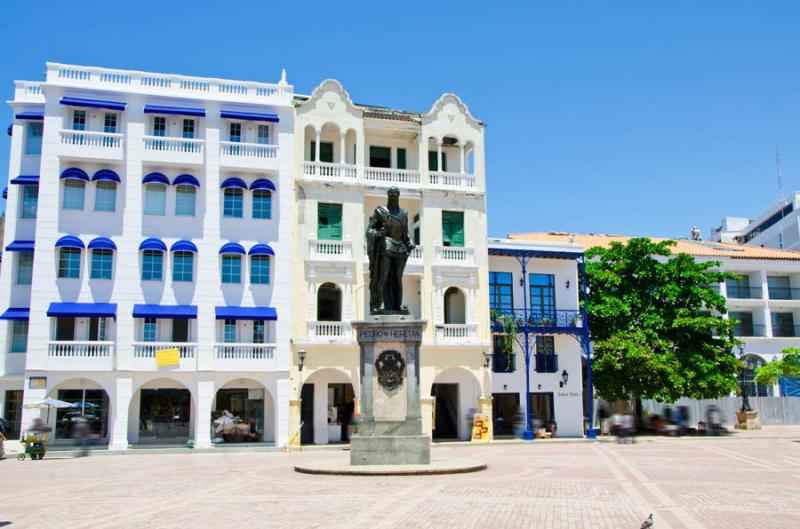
<point x="749" y="481"/>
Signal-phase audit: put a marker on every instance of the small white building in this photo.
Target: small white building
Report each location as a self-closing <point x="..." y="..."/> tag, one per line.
<point x="777" y="227"/>
<point x="538" y="332"/>
<point x="148" y="212"/>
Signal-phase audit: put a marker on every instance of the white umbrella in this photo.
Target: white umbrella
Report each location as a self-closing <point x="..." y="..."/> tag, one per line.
<point x="49" y="403"/>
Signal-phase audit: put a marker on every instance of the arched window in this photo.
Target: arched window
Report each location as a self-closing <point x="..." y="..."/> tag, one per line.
<point x="454" y="306"/>
<point x="753" y="388"/>
<point x="152" y="265"/>
<point x="105" y="196"/>
<point x="233" y="203"/>
<point x="182" y="266"/>
<point x="262" y="204"/>
<point x="185" y="200"/>
<point x="329" y="303"/>
<point x="73" y="193"/>
<point x="155" y="199"/>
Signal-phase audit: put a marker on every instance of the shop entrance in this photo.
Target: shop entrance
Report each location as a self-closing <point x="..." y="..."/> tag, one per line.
<point x="244" y="420"/>
<point x="506" y="414"/>
<point x="542" y="413"/>
<point x="307" y="414"/>
<point x="341" y="406"/>
<point x="90" y="404"/>
<point x="12" y="413"/>
<point x="446" y="411"/>
<point x="164" y="414"/>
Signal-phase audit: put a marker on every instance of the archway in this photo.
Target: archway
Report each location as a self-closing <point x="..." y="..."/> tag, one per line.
<point x="327" y="408"/>
<point x="161" y="412"/>
<point x="91" y="402"/>
<point x="250" y="413"/>
<point x="454" y="306"/>
<point x="329" y="303"/>
<point x="456" y="391"/>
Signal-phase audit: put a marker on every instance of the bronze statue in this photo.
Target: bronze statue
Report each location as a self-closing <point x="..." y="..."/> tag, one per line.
<point x="388" y="247"/>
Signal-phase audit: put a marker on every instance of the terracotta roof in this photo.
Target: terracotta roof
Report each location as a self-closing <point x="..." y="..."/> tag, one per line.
<point x="696" y="248"/>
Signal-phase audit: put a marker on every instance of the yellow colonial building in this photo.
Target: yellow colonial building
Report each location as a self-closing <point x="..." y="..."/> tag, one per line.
<point x="346" y="158"/>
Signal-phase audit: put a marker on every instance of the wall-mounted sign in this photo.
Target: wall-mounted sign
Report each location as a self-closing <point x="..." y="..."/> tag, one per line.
<point x="168" y="357"/>
<point x="37" y="383"/>
<point x="480" y="428"/>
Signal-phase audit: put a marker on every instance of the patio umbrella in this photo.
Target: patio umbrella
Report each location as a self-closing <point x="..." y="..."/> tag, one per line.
<point x="49" y="403"/>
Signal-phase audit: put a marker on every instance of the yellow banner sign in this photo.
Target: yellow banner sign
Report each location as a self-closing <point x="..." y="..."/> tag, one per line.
<point x="168" y="357"/>
<point x="481" y="425"/>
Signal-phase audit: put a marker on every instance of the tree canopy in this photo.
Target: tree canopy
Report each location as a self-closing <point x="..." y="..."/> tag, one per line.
<point x="656" y="324"/>
<point x="787" y="366"/>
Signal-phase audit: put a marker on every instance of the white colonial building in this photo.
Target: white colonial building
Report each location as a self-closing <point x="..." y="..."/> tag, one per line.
<point x="777" y="227"/>
<point x="148" y="212"/>
<point x="346" y="158"/>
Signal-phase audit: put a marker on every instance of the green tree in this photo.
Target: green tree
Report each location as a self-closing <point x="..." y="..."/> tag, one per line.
<point x="787" y="366"/>
<point x="651" y="315"/>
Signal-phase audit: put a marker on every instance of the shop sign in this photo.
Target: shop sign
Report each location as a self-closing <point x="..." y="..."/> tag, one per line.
<point x="168" y="357"/>
<point x="480" y="428"/>
<point x="37" y="383"/>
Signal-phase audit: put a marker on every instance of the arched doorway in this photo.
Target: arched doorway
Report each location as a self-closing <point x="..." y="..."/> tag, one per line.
<point x="90" y="401"/>
<point x="243" y="411"/>
<point x="327" y="407"/>
<point x="161" y="412"/>
<point x="753" y="388"/>
<point x="454" y="306"/>
<point x="329" y="303"/>
<point x="455" y="392"/>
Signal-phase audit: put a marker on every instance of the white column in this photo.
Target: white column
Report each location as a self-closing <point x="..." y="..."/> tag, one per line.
<point x="120" y="407"/>
<point x="347" y="297"/>
<point x="439" y="155"/>
<point x="316" y="146"/>
<point x="29" y="414"/>
<point x="321" y="413"/>
<point x="342" y="148"/>
<point x="461" y="154"/>
<point x="312" y="294"/>
<point x="203" y="397"/>
<point x="765" y="304"/>
<point x="282" y="411"/>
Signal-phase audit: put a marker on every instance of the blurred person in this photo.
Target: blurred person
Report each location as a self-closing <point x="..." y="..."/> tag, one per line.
<point x="80" y="433"/>
<point x="2" y="447"/>
<point x="713" y="420"/>
<point x="629" y="427"/>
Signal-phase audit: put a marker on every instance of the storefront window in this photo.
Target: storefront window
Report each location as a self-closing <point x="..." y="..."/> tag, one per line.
<point x="91" y="404"/>
<point x="164" y="414"/>
<point x="244" y="420"/>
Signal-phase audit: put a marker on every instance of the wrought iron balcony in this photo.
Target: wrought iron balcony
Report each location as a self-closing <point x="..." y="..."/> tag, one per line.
<point x="546" y="363"/>
<point x="504" y="362"/>
<point x="516" y="320"/>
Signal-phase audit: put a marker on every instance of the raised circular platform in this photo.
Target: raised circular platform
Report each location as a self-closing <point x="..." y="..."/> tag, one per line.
<point x="344" y="468"/>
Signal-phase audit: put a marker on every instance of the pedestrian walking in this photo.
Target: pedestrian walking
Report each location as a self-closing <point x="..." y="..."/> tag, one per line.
<point x="2" y="445"/>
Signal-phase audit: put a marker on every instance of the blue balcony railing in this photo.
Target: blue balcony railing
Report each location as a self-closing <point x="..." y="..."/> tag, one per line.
<point x="535" y="319"/>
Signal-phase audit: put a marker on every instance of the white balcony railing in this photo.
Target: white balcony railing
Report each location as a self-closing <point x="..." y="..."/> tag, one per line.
<point x="335" y="171"/>
<point x="148" y="349"/>
<point x="91" y="139"/>
<point x="173" y="145"/>
<point x="455" y="255"/>
<point x="156" y="83"/>
<point x="456" y="333"/>
<point x="320" y="249"/>
<point x="28" y="91"/>
<point x="452" y="180"/>
<point x="402" y="177"/>
<point x="329" y="331"/>
<point x="71" y="349"/>
<point x="416" y="254"/>
<point x="248" y="150"/>
<point x="244" y="351"/>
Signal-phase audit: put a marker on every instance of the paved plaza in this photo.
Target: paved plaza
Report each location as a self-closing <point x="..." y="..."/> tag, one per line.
<point x="749" y="480"/>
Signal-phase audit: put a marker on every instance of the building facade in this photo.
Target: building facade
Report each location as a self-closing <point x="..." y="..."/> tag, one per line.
<point x="148" y="212"/>
<point x="777" y="227"/>
<point x="346" y="158"/>
<point x="764" y="298"/>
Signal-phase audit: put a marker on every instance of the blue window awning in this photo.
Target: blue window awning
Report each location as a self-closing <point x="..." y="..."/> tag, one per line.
<point x="263" y="183"/>
<point x="83" y="310"/>
<point x="16" y="314"/>
<point x="20" y="246"/>
<point x="102" y="243"/>
<point x="92" y="103"/>
<point x="175" y="312"/>
<point x="261" y="249"/>
<point x="186" y="179"/>
<point x="246" y="313"/>
<point x="30" y="115"/>
<point x="233" y="182"/>
<point x="153" y="244"/>
<point x="76" y="173"/>
<point x="26" y="180"/>
<point x="174" y="111"/>
<point x="69" y="241"/>
<point x="106" y="174"/>
<point x="249" y="116"/>
<point x="155" y="178"/>
<point x="232" y="247"/>
<point x="183" y="246"/>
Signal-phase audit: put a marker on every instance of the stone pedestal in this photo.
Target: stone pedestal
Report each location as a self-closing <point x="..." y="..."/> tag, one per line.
<point x="390" y="431"/>
<point x="747" y="420"/>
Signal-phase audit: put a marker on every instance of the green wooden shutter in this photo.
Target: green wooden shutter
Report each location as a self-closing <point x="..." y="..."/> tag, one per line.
<point x="326" y="151"/>
<point x="432" y="161"/>
<point x="453" y="228"/>
<point x="401" y="158"/>
<point x="444" y="162"/>
<point x="313" y="151"/>
<point x="329" y="222"/>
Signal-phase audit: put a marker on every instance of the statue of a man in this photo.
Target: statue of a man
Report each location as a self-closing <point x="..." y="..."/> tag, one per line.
<point x="388" y="247"/>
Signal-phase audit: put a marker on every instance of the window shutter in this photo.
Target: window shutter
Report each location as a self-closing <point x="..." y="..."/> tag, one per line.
<point x="329" y="223"/>
<point x="401" y="158"/>
<point x="432" y="162"/>
<point x="453" y="228"/>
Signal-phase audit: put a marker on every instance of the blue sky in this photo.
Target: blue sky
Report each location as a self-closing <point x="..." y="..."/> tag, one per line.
<point x="609" y="117"/>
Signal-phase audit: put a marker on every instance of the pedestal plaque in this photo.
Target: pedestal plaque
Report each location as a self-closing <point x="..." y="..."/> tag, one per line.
<point x="390" y="432"/>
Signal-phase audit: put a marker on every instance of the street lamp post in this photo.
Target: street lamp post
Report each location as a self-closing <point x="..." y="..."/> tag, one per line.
<point x="743" y="380"/>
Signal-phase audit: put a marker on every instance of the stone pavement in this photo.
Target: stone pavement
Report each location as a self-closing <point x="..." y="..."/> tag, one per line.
<point x="747" y="481"/>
